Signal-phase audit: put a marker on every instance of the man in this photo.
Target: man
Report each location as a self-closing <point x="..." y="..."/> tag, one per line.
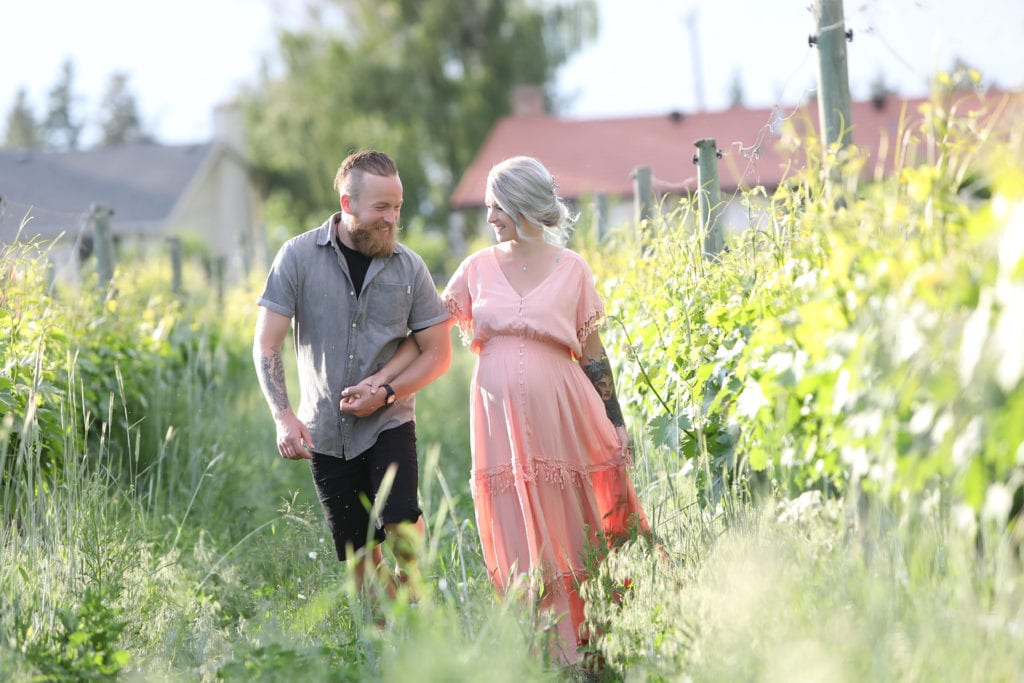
<point x="353" y="294"/>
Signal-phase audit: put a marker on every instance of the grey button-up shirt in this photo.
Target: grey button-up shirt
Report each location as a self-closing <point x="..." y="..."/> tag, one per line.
<point x="340" y="338"/>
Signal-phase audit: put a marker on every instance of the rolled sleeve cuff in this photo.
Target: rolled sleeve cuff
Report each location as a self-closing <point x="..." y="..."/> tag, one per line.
<point x="275" y="307"/>
<point x="430" y="322"/>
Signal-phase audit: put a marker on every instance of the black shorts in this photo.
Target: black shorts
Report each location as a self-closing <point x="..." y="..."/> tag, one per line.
<point x="348" y="488"/>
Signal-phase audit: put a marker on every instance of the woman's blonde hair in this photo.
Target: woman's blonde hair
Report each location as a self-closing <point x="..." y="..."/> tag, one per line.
<point x="525" y="190"/>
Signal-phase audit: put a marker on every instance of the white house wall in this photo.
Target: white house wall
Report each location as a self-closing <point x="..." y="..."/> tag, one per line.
<point x="221" y="209"/>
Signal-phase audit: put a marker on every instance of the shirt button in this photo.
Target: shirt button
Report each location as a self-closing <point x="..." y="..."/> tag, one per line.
<point x="353" y="324"/>
<point x="350" y="356"/>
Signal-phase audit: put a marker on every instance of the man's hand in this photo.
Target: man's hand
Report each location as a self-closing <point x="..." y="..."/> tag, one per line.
<point x="364" y="398"/>
<point x="294" y="442"/>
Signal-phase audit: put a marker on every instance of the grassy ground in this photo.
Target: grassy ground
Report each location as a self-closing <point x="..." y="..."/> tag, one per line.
<point x="238" y="582"/>
<point x="151" y="533"/>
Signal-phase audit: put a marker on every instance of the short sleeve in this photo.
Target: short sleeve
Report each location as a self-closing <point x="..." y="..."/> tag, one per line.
<point x="281" y="287"/>
<point x="456" y="298"/>
<point x="590" y="308"/>
<point x="427" y="309"/>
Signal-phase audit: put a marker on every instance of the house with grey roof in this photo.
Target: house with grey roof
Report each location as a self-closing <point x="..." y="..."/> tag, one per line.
<point x="203" y="192"/>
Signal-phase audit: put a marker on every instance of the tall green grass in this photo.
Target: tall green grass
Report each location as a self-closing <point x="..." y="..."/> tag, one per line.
<point x="152" y="533"/>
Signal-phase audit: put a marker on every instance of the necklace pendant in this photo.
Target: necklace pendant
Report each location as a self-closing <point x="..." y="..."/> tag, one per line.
<point x="524" y="267"/>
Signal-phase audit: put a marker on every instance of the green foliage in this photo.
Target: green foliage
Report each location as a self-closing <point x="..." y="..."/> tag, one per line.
<point x="22" y="130"/>
<point x="114" y="361"/>
<point x="84" y="645"/>
<point x="62" y="126"/>
<point x="120" y="121"/>
<point x="275" y="662"/>
<point x="794" y="591"/>
<point x="854" y="366"/>
<point x="29" y="387"/>
<point x="432" y="245"/>
<point x="422" y="81"/>
<point x="861" y="345"/>
<point x="62" y="603"/>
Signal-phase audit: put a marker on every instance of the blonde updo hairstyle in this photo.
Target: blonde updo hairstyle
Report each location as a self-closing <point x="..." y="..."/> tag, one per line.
<point x="525" y="190"/>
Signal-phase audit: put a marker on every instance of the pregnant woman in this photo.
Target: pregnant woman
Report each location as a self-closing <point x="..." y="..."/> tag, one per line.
<point x="550" y="448"/>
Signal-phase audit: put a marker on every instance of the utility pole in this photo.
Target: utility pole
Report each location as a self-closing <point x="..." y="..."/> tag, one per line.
<point x="698" y="70"/>
<point x="833" y="74"/>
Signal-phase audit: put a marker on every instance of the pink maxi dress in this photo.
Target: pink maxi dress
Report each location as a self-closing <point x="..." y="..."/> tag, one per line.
<point x="549" y="480"/>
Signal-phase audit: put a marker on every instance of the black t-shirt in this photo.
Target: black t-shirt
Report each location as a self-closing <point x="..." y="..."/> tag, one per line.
<point x="358" y="264"/>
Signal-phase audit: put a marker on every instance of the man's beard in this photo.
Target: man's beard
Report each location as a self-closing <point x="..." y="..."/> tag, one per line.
<point x="371" y="240"/>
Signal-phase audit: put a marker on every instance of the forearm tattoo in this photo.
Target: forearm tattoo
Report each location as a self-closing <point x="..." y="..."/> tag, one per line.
<point x="599" y="370"/>
<point x="272" y="380"/>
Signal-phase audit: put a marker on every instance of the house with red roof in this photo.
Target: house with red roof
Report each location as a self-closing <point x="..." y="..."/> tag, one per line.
<point x="599" y="157"/>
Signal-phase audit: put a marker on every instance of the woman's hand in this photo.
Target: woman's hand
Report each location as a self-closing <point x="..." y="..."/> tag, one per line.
<point x="625" y="444"/>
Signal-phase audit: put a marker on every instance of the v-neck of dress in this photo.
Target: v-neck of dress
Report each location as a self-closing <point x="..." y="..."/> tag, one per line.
<point x="521" y="295"/>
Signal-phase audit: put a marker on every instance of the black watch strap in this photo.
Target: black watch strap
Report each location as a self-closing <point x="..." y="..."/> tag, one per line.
<point x="389" y="394"/>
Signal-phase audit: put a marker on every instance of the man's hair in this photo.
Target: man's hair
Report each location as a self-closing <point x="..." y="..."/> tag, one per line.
<point x="349" y="178"/>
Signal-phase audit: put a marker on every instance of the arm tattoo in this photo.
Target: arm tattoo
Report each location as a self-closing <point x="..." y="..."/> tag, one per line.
<point x="599" y="370"/>
<point x="272" y="380"/>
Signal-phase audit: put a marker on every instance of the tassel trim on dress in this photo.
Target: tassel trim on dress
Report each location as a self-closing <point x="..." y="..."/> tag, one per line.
<point x="464" y="322"/>
<point x="589" y="325"/>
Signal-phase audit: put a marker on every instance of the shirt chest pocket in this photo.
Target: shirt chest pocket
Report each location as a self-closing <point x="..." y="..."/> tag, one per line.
<point x="388" y="304"/>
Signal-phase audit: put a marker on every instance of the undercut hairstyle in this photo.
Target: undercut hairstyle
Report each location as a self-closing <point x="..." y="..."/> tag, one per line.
<point x="524" y="189"/>
<point x="349" y="179"/>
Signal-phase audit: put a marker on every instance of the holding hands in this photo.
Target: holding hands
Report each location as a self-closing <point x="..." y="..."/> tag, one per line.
<point x="365" y="398"/>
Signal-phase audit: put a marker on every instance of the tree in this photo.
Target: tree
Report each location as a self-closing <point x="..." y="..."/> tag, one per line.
<point x="736" y="90"/>
<point x="22" y="131"/>
<point x="879" y="90"/>
<point x="61" y="128"/>
<point x="424" y="81"/>
<point x="119" y="116"/>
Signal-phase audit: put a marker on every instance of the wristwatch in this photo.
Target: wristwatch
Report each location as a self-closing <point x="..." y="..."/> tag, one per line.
<point x="389" y="394"/>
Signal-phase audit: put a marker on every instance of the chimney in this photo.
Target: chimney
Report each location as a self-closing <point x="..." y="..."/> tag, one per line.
<point x="229" y="125"/>
<point x="528" y="100"/>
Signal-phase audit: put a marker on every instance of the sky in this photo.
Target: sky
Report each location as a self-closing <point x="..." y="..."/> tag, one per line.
<point x="652" y="56"/>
